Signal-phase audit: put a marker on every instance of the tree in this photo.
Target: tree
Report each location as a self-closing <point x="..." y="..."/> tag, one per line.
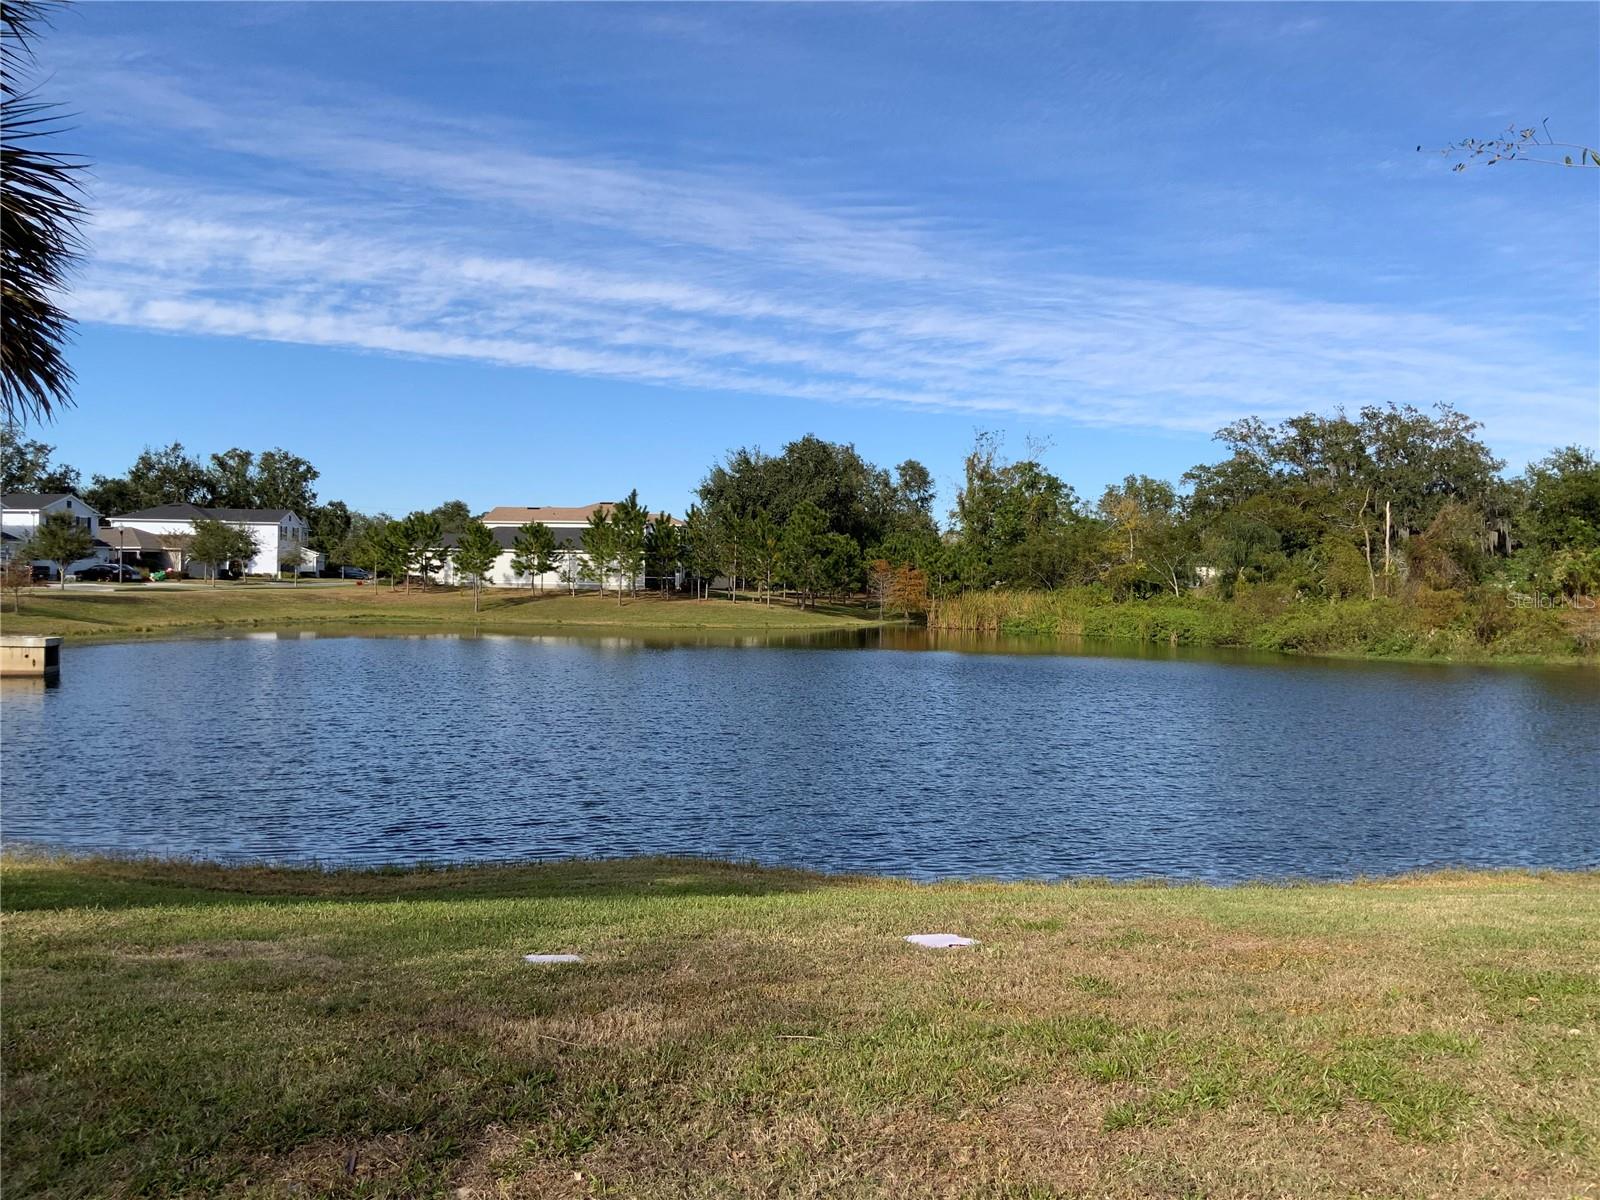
<point x="111" y="496"/>
<point x="698" y="549"/>
<point x="1562" y="505"/>
<point x="663" y="551"/>
<point x="18" y="574"/>
<point x="599" y="550"/>
<point x="764" y="551"/>
<point x="217" y="543"/>
<point x="880" y="579"/>
<point x="1149" y="542"/>
<point x="724" y="536"/>
<point x="41" y="214"/>
<point x="913" y="498"/>
<point x="25" y="466"/>
<point x="423" y="535"/>
<point x="283" y="480"/>
<point x="60" y="540"/>
<point x="908" y="592"/>
<point x="454" y="516"/>
<point x="331" y="526"/>
<point x="534" y="551"/>
<point x="383" y="544"/>
<point x="856" y="497"/>
<point x="475" y="554"/>
<point x="232" y="483"/>
<point x="291" y="555"/>
<point x="1238" y="544"/>
<point x="805" y="550"/>
<point x="630" y="525"/>
<point x="841" y="564"/>
<point x="169" y="475"/>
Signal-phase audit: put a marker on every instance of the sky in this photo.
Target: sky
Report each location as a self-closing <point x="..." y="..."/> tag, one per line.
<point x="544" y="254"/>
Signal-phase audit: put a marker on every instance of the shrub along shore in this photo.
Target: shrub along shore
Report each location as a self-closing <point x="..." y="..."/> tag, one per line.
<point x="1489" y="627"/>
<point x="181" y="1029"/>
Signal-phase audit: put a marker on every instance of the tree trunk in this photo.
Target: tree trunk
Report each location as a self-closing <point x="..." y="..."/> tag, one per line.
<point x="1386" y="528"/>
<point x="1372" y="579"/>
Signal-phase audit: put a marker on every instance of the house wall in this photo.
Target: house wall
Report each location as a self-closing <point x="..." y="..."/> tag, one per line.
<point x="502" y="575"/>
<point x="267" y="537"/>
<point x="23" y="523"/>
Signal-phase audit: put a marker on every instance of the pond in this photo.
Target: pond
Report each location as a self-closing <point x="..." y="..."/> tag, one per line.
<point x="894" y="752"/>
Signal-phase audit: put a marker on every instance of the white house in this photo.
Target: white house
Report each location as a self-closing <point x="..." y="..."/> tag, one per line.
<point x="279" y="532"/>
<point x="21" y="514"/>
<point x="567" y="524"/>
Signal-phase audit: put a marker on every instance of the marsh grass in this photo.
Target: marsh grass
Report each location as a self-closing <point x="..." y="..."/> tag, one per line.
<point x="1270" y="619"/>
<point x="187" y="1029"/>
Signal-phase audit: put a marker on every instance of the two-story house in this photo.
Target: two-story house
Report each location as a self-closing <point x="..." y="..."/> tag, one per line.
<point x="279" y="533"/>
<point x="21" y="514"/>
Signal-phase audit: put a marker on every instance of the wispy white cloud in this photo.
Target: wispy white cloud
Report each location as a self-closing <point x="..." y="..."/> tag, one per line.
<point x="436" y="238"/>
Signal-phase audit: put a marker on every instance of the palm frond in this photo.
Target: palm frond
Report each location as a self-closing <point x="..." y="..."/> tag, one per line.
<point x="41" y="214"/>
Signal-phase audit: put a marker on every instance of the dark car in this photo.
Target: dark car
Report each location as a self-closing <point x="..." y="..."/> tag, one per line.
<point x="109" y="573"/>
<point x="42" y="573"/>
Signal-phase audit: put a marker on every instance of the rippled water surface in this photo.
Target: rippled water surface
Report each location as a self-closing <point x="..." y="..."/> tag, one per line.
<point x="857" y="752"/>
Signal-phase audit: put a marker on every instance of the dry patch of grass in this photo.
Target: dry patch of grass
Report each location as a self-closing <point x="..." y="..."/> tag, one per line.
<point x="191" y="1030"/>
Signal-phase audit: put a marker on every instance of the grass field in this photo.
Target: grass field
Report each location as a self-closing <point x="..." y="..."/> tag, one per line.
<point x="155" y="609"/>
<point x="183" y="1030"/>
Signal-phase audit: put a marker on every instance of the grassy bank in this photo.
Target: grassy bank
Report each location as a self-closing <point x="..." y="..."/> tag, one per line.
<point x="155" y="609"/>
<point x="186" y="1030"/>
<point x="1447" y="628"/>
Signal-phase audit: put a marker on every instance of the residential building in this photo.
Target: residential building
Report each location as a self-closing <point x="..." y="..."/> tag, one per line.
<point x="567" y="524"/>
<point x="21" y="514"/>
<point x="277" y="530"/>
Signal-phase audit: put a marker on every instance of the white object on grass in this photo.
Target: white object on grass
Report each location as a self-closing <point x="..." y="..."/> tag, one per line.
<point x="552" y="958"/>
<point x="940" y="941"/>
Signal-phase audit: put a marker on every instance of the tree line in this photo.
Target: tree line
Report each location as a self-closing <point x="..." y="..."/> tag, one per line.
<point x="1382" y="502"/>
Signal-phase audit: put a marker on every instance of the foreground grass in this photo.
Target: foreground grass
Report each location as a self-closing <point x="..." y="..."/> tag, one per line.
<point x="155" y="609"/>
<point x="189" y="1030"/>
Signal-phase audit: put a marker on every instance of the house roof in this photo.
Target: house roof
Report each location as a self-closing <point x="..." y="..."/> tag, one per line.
<point x="33" y="501"/>
<point x="546" y="514"/>
<point x="193" y="512"/>
<point x="505" y="537"/>
<point x="508" y="514"/>
<point x="119" y="538"/>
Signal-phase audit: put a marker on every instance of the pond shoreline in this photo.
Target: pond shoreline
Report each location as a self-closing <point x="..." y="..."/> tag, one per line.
<point x="135" y="614"/>
<point x="237" y="872"/>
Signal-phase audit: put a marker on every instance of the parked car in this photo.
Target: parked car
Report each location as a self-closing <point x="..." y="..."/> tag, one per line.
<point x="354" y="573"/>
<point x="43" y="573"/>
<point x="109" y="573"/>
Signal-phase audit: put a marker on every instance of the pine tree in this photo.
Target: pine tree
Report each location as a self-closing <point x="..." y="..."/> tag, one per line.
<point x="475" y="554"/>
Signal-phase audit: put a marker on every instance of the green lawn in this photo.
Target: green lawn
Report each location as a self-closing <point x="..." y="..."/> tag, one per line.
<point x="156" y="608"/>
<point x="180" y="1030"/>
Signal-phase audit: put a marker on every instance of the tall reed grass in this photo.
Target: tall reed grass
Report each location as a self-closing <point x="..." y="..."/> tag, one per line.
<point x="1273" y="618"/>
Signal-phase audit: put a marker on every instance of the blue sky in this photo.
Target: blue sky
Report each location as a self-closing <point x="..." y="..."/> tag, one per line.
<point x="541" y="254"/>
